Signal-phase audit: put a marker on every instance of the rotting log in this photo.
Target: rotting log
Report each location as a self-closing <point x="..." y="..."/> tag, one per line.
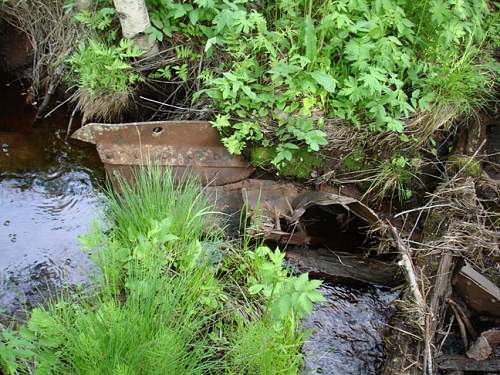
<point x="333" y="265"/>
<point x="441" y="290"/>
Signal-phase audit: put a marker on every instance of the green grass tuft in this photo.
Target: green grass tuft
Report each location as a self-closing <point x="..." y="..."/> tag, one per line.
<point x="168" y="301"/>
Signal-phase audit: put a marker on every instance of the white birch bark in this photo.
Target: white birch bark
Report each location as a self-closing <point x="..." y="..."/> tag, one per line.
<point x="134" y="19"/>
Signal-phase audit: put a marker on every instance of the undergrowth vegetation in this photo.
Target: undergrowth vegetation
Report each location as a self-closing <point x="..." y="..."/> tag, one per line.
<point x="168" y="299"/>
<point x="282" y="75"/>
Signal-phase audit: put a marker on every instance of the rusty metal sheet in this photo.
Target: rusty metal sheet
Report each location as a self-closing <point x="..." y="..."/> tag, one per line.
<point x="184" y="146"/>
<point x="319" y="198"/>
<point x="269" y="203"/>
<point x="478" y="292"/>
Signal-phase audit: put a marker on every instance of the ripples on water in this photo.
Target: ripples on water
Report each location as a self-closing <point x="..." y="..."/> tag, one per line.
<point x="48" y="197"/>
<point x="348" y="331"/>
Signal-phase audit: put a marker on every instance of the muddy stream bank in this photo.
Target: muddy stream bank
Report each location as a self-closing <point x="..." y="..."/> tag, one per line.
<point x="50" y="194"/>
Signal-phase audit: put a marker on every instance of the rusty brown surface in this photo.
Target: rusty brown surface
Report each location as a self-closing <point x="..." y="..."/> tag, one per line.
<point x="478" y="292"/>
<point x="267" y="203"/>
<point x="275" y="209"/>
<point x="184" y="146"/>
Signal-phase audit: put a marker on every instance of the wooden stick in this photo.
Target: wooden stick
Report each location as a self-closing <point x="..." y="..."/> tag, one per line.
<point x="464" y="317"/>
<point x="411" y="278"/>
<point x="407" y="265"/>
<point x="70" y="122"/>
<point x="461" y="326"/>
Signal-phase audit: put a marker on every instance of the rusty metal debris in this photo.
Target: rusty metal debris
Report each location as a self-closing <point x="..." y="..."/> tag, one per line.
<point x="277" y="212"/>
<point x="478" y="292"/>
<point x="184" y="146"/>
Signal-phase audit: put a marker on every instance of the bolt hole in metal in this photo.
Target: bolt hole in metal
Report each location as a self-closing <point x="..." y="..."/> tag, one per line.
<point x="157" y="131"/>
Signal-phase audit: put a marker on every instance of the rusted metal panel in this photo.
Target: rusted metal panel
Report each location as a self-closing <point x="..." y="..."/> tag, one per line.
<point x="184" y="146"/>
<point x="478" y="292"/>
<point x="273" y="207"/>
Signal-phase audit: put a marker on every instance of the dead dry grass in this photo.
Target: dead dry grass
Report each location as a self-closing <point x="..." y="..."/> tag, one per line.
<point x="107" y="107"/>
<point x="457" y="226"/>
<point x="52" y="35"/>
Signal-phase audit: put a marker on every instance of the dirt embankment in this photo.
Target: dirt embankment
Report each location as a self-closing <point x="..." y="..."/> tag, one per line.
<point x="15" y="52"/>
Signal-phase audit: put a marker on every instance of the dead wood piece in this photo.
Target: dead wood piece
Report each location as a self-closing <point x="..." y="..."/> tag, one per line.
<point x="46" y="100"/>
<point x="70" y="123"/>
<point x="411" y="277"/>
<point x="461" y="326"/>
<point x="334" y="265"/>
<point x="440" y="292"/>
<point x="460" y="307"/>
<point x="408" y="267"/>
<point x="461" y="363"/>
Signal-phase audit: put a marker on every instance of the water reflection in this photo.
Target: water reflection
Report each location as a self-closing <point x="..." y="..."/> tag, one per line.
<point x="347" y="331"/>
<point x="48" y="196"/>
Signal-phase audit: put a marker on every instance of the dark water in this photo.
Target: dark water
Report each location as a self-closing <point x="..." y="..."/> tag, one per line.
<point x="348" y="331"/>
<point x="48" y="196"/>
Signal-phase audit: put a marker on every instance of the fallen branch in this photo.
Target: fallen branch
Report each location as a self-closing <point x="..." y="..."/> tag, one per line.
<point x="407" y="265"/>
<point x="461" y="326"/>
<point x="411" y="277"/>
<point x="70" y="122"/>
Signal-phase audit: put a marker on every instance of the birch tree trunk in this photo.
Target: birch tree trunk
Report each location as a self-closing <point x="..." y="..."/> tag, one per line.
<point x="134" y="19"/>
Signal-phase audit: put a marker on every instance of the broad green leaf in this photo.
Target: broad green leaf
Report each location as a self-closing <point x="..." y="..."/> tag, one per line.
<point x="310" y="39"/>
<point x="254" y="289"/>
<point x="212" y="42"/>
<point x="394" y="125"/>
<point x="325" y="80"/>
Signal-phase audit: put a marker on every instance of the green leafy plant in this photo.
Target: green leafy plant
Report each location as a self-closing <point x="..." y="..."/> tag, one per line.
<point x="102" y="68"/>
<point x="288" y="296"/>
<point x="166" y="301"/>
<point x="280" y="74"/>
<point x="99" y="20"/>
<point x="300" y="165"/>
<point x="373" y="64"/>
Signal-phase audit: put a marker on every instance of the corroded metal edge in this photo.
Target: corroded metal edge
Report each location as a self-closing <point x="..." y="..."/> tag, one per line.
<point x="193" y="146"/>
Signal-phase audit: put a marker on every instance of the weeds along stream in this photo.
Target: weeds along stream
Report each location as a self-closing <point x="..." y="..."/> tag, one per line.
<point x="236" y="315"/>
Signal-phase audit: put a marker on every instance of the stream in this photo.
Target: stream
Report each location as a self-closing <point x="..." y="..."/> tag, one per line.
<point x="49" y="195"/>
<point x="348" y="330"/>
